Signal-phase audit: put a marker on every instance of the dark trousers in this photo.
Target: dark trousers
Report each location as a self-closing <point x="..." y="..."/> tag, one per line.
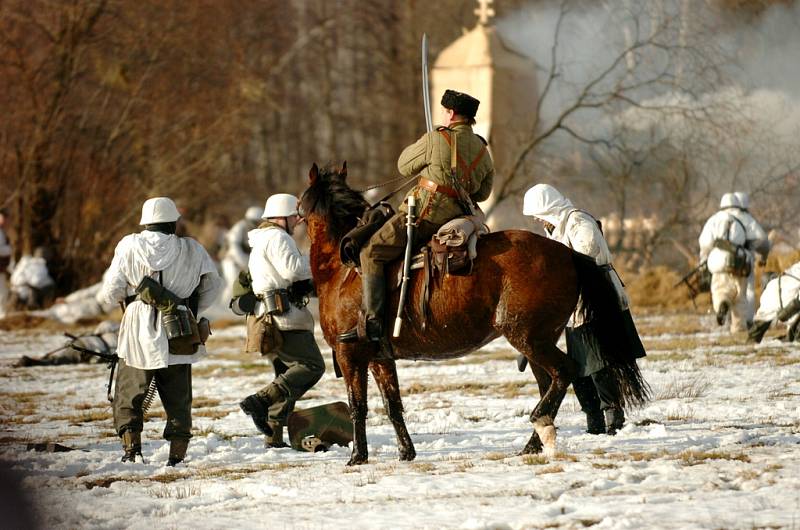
<point x="174" y="385"/>
<point x="304" y="367"/>
<point x="597" y="392"/>
<point x="389" y="243"/>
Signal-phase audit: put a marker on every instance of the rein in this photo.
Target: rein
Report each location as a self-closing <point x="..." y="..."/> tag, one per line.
<point x="406" y="182"/>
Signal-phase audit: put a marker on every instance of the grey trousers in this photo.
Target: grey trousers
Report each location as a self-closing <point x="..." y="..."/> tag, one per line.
<point x="305" y="367"/>
<point x="174" y="384"/>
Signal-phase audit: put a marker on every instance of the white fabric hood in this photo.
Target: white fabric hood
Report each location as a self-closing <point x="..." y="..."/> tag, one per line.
<point x="157" y="249"/>
<point x="545" y="202"/>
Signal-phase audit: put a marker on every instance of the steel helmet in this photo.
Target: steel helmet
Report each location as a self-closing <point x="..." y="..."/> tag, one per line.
<point x="743" y="198"/>
<point x="159" y="210"/>
<point x="254" y="213"/>
<point x="280" y="205"/>
<point x="729" y="200"/>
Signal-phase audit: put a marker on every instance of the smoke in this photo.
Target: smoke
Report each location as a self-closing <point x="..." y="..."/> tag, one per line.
<point x="723" y="82"/>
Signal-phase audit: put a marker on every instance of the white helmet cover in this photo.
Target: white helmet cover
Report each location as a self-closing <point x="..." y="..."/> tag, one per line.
<point x="729" y="200"/>
<point x="159" y="210"/>
<point x="743" y="198"/>
<point x="254" y="213"/>
<point x="280" y="205"/>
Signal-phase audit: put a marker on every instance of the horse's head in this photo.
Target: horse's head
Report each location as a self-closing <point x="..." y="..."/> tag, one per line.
<point x="330" y="203"/>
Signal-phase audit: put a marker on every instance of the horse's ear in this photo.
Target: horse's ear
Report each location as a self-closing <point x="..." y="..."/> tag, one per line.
<point x="313" y="174"/>
<point x="343" y="171"/>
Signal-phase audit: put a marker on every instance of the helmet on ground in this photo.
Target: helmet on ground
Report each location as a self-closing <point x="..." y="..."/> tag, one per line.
<point x="743" y="198"/>
<point x="729" y="200"/>
<point x="280" y="205"/>
<point x="159" y="210"/>
<point x="254" y="213"/>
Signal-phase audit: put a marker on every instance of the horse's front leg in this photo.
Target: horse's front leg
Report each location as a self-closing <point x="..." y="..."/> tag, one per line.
<point x="354" y="370"/>
<point x="385" y="374"/>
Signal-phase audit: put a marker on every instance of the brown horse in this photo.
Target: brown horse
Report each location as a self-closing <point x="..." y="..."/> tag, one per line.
<point x="522" y="286"/>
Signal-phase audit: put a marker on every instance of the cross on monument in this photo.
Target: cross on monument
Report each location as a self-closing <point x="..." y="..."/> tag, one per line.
<point x="484" y="11"/>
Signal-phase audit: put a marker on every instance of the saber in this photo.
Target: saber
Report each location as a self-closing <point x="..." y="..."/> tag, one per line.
<point x="398" y="321"/>
<point x="426" y="90"/>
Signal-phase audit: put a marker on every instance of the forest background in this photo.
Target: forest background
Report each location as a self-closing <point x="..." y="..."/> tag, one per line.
<point x="219" y="103"/>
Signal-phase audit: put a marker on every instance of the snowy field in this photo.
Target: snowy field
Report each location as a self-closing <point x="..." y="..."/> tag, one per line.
<point x="718" y="447"/>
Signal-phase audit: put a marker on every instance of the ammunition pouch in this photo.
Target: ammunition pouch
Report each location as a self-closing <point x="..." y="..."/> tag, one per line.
<point x="276" y="302"/>
<point x="738" y="261"/>
<point x="178" y="321"/>
<point x="263" y="336"/>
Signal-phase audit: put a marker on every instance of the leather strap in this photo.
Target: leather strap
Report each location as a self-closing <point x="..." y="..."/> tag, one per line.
<point x="437" y="188"/>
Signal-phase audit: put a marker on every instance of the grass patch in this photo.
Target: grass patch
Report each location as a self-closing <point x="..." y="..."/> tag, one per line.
<point x="423" y="467"/>
<point x="177" y="493"/>
<point x="680" y="414"/>
<point x="694" y="458"/>
<point x="692" y="386"/>
<point x="534" y="460"/>
<point x="551" y="469"/>
<point x="507" y="390"/>
<point x="494" y="456"/>
<point x="604" y="465"/>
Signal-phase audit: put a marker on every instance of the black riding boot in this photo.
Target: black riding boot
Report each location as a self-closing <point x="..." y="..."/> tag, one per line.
<point x="757" y="331"/>
<point x="615" y="420"/>
<point x="587" y="396"/>
<point x="370" y="327"/>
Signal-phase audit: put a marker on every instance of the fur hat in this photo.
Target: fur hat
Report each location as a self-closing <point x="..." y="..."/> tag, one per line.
<point x="460" y="103"/>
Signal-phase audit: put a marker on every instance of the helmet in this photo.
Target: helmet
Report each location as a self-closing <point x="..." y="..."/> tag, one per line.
<point x="280" y="205"/>
<point x="159" y="210"/>
<point x="743" y="198"/>
<point x="254" y="213"/>
<point x="729" y="200"/>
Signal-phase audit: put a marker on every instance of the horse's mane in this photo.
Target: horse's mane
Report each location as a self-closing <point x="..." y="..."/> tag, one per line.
<point x="331" y="197"/>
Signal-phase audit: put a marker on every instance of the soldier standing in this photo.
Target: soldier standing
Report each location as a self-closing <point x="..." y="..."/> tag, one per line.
<point x="437" y="201"/>
<point x="597" y="391"/>
<point x="5" y="261"/>
<point x="183" y="269"/>
<point x="236" y="250"/>
<point x="278" y="269"/>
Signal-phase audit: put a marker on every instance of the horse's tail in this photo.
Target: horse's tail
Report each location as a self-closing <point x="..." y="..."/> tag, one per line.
<point x="614" y="339"/>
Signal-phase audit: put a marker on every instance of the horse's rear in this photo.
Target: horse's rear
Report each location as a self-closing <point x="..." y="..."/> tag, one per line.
<point x="522" y="286"/>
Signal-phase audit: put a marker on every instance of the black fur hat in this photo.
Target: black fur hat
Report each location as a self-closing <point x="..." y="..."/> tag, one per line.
<point x="460" y="103"/>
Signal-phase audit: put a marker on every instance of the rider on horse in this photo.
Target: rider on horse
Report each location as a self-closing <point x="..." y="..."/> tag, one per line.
<point x="436" y="196"/>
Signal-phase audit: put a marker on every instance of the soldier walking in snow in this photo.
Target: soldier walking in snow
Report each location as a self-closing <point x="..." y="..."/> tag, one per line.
<point x="175" y="279"/>
<point x="728" y="242"/>
<point x="236" y="250"/>
<point x="281" y="324"/>
<point x="596" y="389"/>
<point x="5" y="262"/>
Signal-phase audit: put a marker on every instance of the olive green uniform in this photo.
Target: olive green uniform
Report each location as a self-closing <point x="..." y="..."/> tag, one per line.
<point x="430" y="157"/>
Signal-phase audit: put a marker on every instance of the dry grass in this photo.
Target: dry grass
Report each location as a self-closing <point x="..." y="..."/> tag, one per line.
<point x="507" y="390"/>
<point x="550" y="469"/>
<point x="691" y="387"/>
<point x="656" y="287"/>
<point x="693" y="458"/>
<point x="534" y="460"/>
<point x="494" y="456"/>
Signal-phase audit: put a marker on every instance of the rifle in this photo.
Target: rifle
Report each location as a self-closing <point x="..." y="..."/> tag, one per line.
<point x="110" y="358"/>
<point x="696" y="280"/>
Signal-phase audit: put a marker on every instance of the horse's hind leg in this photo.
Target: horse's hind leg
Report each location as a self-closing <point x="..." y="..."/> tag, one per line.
<point x="354" y="370"/>
<point x="385" y="373"/>
<point x="547" y="363"/>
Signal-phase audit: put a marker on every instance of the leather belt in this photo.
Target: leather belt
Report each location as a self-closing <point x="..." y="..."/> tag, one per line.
<point x="431" y="186"/>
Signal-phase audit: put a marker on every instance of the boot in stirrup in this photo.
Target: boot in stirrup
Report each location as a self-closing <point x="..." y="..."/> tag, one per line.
<point x="370" y="326"/>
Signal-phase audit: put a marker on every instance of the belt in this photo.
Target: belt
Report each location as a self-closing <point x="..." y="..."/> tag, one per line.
<point x="431" y="186"/>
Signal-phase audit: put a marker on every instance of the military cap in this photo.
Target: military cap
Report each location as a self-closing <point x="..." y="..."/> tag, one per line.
<point x="460" y="103"/>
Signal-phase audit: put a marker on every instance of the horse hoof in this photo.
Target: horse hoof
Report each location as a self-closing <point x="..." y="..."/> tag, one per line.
<point x="356" y="460"/>
<point x="408" y="455"/>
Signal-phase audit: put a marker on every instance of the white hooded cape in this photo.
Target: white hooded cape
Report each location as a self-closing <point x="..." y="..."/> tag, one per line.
<point x="185" y="264"/>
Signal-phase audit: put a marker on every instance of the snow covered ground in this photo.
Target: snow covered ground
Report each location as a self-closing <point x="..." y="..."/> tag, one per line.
<point x="718" y="447"/>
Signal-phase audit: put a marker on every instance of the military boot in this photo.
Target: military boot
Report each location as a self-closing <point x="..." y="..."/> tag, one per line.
<point x="257" y="407"/>
<point x="370" y="327"/>
<point x="177" y="451"/>
<point x="615" y="420"/>
<point x="722" y="313"/>
<point x="757" y="331"/>
<point x="595" y="422"/>
<point x="132" y="445"/>
<point x="275" y="440"/>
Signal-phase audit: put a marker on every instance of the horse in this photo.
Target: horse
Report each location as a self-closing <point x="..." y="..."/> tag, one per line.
<point x="522" y="286"/>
